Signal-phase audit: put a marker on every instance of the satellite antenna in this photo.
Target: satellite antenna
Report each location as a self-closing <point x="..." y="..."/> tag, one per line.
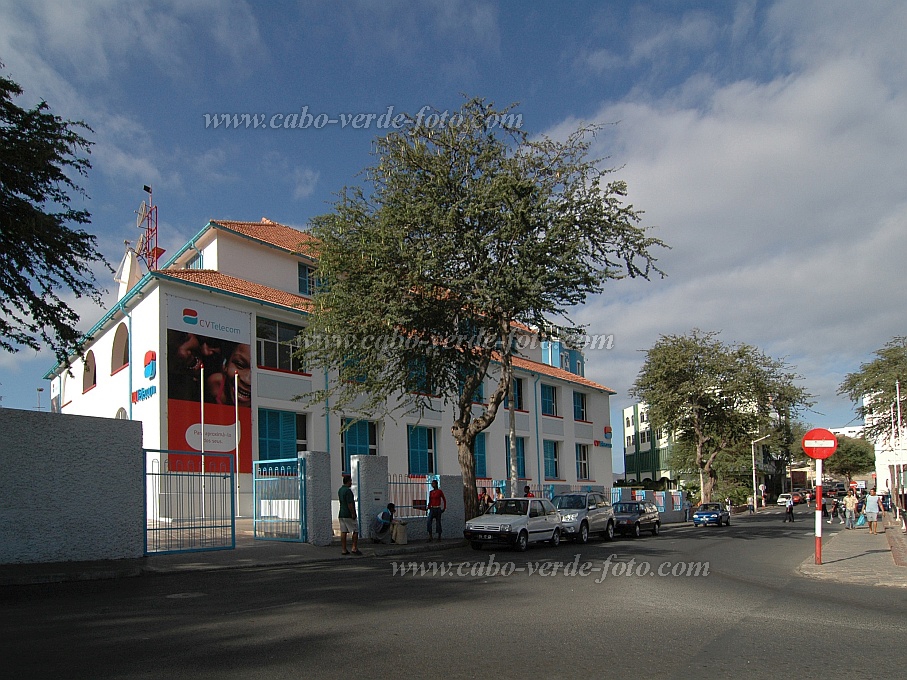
<point x="146" y="219"/>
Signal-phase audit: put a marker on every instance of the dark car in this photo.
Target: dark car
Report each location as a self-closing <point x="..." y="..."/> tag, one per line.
<point x="634" y="517"/>
<point x="711" y="513"/>
<point x="584" y="513"/>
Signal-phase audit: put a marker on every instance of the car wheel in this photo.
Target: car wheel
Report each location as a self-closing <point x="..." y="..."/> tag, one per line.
<point x="555" y="538"/>
<point x="522" y="542"/>
<point x="637" y="530"/>
<point x="583" y="535"/>
<point x="609" y="532"/>
<point x="476" y="545"/>
<point x="655" y="528"/>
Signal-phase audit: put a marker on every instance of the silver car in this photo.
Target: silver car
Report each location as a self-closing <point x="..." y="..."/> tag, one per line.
<point x="516" y="522"/>
<point x="584" y="513"/>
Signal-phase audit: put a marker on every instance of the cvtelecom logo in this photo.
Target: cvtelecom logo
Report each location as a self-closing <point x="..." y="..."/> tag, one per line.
<point x="190" y="316"/>
<point x="150" y="364"/>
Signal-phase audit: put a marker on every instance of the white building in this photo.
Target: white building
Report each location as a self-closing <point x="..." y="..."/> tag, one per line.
<point x="228" y="307"/>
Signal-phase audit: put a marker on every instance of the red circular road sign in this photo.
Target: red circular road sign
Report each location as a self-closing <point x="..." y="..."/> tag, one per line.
<point x="819" y="443"/>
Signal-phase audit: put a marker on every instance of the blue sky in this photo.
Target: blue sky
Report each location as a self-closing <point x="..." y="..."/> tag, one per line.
<point x="765" y="142"/>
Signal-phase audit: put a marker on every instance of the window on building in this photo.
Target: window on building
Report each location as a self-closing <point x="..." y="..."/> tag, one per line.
<point x="517" y="395"/>
<point x="629" y="440"/>
<point x="277" y="342"/>
<point x="89" y="372"/>
<point x="582" y="461"/>
<point x="421" y="445"/>
<point x="119" y="357"/>
<point x="358" y="438"/>
<point x="281" y="434"/>
<point x="579" y="406"/>
<point x="196" y="262"/>
<point x="565" y="361"/>
<point x="628" y="421"/>
<point x="121" y="414"/>
<point x="520" y="443"/>
<point x="306" y="280"/>
<point x="550" y="449"/>
<point x="549" y="400"/>
<point x="643" y="417"/>
<point x="479" y="451"/>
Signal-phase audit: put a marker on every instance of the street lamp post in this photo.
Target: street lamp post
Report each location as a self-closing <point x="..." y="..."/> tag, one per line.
<point x="753" y="449"/>
<point x="40" y="390"/>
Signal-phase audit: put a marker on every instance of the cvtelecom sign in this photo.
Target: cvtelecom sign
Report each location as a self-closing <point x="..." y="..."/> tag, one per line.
<point x="190" y="316"/>
<point x="200" y="318"/>
<point x="150" y="371"/>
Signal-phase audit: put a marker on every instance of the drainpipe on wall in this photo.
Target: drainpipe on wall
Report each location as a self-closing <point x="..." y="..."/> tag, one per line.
<point x="538" y="439"/>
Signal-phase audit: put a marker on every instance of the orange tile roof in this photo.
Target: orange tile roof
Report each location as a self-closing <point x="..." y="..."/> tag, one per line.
<point x="272" y="233"/>
<point x="560" y="373"/>
<point x="231" y="284"/>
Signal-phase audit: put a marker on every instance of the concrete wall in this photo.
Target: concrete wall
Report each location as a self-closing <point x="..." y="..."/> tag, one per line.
<point x="70" y="488"/>
<point x="318" y="492"/>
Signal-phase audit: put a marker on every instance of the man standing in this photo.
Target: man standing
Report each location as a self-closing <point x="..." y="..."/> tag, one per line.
<point x="437" y="504"/>
<point x="850" y="510"/>
<point x="347" y="517"/>
<point x="873" y="511"/>
<point x="789" y="509"/>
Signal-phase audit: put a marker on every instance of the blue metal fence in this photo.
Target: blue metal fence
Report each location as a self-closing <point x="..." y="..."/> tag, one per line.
<point x="189" y="502"/>
<point x="279" y="500"/>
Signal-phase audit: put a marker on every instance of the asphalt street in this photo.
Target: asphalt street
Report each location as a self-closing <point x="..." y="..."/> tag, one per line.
<point x="741" y="610"/>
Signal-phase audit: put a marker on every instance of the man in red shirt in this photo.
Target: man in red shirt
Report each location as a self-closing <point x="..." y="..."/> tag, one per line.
<point x="527" y="492"/>
<point x="437" y="504"/>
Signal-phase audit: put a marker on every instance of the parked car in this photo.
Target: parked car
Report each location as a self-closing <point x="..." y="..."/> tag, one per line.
<point x="782" y="499"/>
<point x="516" y="522"/>
<point x="711" y="513"/>
<point x="583" y="514"/>
<point x="799" y="497"/>
<point x="632" y="517"/>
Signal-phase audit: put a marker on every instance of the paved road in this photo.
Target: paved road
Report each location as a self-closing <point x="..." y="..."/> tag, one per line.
<point x="752" y="615"/>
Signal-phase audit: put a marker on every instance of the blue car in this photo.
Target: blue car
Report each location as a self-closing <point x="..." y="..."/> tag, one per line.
<point x="711" y="513"/>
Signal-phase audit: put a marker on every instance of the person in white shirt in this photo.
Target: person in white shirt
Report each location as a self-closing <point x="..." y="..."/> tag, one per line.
<point x="873" y="511"/>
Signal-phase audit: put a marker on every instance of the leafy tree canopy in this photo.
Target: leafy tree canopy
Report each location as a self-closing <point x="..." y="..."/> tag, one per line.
<point x="41" y="253"/>
<point x="467" y="232"/>
<point x="714" y="396"/>
<point x="877" y="381"/>
<point x="852" y="457"/>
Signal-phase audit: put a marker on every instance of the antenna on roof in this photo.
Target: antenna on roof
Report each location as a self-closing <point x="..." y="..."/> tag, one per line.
<point x="146" y="219"/>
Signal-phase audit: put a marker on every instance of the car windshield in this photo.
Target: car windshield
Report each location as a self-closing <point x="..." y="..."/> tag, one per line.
<point x="626" y="507"/>
<point x="510" y="506"/>
<point x="569" y="502"/>
<point x="709" y="507"/>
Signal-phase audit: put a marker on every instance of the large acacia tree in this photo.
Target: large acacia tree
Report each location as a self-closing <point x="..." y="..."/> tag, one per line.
<point x="854" y="456"/>
<point x="715" y="397"/>
<point x="42" y="252"/>
<point x="466" y="231"/>
<point x="876" y="385"/>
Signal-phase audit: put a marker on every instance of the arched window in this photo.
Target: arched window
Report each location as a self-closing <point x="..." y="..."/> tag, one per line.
<point x="120" y="355"/>
<point x="89" y="372"/>
<point x="122" y="415"/>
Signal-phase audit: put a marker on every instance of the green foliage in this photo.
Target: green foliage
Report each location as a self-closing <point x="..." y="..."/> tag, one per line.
<point x="40" y="254"/>
<point x="852" y="457"/>
<point x="466" y="231"/>
<point x="714" y="397"/>
<point x="877" y="381"/>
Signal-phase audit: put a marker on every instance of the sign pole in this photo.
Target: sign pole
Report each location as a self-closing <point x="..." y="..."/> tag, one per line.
<point x="819" y="511"/>
<point x="819" y="444"/>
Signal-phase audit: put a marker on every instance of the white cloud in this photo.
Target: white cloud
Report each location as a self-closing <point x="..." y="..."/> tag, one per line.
<point x="305" y="180"/>
<point x="782" y="199"/>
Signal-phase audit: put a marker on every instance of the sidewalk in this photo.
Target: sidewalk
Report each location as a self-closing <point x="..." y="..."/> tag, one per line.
<point x="248" y="553"/>
<point x="858" y="557"/>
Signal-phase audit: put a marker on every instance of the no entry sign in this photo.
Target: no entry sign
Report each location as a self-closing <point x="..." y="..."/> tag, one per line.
<point x="819" y="443"/>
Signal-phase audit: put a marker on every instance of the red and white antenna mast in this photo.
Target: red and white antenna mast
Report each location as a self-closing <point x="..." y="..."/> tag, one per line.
<point x="147" y="220"/>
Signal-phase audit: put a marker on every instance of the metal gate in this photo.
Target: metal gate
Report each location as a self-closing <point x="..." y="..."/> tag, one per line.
<point x="279" y="500"/>
<point x="189" y="502"/>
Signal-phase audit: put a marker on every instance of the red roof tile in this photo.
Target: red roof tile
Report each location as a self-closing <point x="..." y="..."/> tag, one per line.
<point x="231" y="284"/>
<point x="560" y="373"/>
<point x="272" y="233"/>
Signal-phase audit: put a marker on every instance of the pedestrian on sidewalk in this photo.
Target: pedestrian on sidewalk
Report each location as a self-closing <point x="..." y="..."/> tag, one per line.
<point x="850" y="510"/>
<point x="347" y="517"/>
<point x="873" y="511"/>
<point x="789" y="509"/>
<point x="437" y="504"/>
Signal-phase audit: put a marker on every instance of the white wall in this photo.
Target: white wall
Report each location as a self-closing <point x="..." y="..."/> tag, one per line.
<point x="70" y="488"/>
